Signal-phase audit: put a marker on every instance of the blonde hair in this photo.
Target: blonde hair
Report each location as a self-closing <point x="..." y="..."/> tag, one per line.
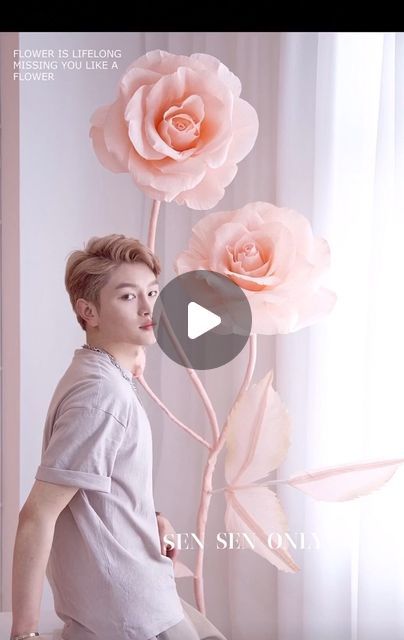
<point x="88" y="270"/>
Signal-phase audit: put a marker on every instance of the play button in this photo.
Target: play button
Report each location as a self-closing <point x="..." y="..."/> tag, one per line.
<point x="202" y="319"/>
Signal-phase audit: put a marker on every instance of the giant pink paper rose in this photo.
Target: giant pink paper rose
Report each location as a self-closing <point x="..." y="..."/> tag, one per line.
<point x="178" y="126"/>
<point x="271" y="253"/>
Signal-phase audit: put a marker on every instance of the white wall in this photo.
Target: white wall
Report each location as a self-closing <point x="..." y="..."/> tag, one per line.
<point x="10" y="313"/>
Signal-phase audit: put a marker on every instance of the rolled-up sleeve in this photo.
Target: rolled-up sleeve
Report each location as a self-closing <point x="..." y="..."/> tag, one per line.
<point x="82" y="449"/>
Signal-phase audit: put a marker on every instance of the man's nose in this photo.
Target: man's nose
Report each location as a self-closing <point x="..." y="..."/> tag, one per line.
<point x="145" y="308"/>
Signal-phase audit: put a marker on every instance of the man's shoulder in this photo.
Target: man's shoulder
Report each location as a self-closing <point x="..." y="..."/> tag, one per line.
<point x="95" y="389"/>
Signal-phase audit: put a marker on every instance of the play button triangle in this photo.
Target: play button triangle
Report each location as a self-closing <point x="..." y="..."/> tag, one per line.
<point x="200" y="320"/>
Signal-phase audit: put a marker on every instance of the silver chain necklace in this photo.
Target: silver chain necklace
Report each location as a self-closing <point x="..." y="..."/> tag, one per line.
<point x="117" y="365"/>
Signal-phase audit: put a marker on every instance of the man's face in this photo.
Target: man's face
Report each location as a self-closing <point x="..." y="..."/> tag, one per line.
<point x="126" y="304"/>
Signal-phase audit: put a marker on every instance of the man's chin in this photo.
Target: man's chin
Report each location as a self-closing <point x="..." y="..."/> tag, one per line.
<point x="146" y="338"/>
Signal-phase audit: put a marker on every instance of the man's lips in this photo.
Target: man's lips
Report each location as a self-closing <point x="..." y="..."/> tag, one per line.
<point x="149" y="324"/>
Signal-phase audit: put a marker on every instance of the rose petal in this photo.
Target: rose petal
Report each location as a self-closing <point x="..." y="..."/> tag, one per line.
<point x="193" y="105"/>
<point x="107" y="159"/>
<point x="136" y="78"/>
<point x="116" y="133"/>
<point x="224" y="74"/>
<point x="245" y="130"/>
<point x="135" y="126"/>
<point x="149" y="174"/>
<point x="210" y="190"/>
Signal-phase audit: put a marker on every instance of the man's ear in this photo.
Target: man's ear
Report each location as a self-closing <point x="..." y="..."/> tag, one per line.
<point x="87" y="311"/>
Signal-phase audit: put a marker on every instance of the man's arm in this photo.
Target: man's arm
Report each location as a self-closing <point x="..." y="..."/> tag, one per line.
<point x="33" y="542"/>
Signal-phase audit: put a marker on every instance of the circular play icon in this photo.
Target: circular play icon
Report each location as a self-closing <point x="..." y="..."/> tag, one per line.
<point x="202" y="319"/>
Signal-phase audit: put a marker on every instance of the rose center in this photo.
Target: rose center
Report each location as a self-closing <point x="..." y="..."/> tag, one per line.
<point x="181" y="123"/>
<point x="248" y="250"/>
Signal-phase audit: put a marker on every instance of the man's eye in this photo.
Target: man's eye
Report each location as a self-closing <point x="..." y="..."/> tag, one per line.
<point x="125" y="297"/>
<point x="154" y="293"/>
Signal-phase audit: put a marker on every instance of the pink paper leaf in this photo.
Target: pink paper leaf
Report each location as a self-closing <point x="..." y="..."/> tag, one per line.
<point x="258" y="434"/>
<point x="258" y="513"/>
<point x="346" y="482"/>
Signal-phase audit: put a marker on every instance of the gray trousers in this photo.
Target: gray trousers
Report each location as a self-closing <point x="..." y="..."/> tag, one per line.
<point x="194" y="626"/>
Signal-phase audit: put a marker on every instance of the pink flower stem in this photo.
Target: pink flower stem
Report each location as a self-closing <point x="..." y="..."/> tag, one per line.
<point x="171" y="415"/>
<point x="219" y="438"/>
<point x="202" y="516"/>
<point x="195" y="379"/>
<point x="252" y="342"/>
<point x="207" y="491"/>
<point x="151" y="237"/>
<point x="206" y="496"/>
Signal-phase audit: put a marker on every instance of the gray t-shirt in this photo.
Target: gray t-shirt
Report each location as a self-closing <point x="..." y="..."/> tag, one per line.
<point x="106" y="571"/>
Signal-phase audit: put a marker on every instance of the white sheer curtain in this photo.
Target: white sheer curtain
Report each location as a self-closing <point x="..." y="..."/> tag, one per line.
<point x="331" y="146"/>
<point x="341" y="132"/>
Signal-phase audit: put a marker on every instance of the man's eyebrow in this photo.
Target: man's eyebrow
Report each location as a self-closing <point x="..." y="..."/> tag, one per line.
<point x="134" y="286"/>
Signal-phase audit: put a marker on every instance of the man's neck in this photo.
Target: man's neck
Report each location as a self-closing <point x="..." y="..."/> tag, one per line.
<point x="127" y="355"/>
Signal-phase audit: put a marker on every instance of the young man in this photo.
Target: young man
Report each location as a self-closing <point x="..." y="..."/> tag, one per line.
<point x="89" y="521"/>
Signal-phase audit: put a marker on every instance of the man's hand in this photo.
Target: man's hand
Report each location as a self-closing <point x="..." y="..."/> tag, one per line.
<point x="165" y="527"/>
